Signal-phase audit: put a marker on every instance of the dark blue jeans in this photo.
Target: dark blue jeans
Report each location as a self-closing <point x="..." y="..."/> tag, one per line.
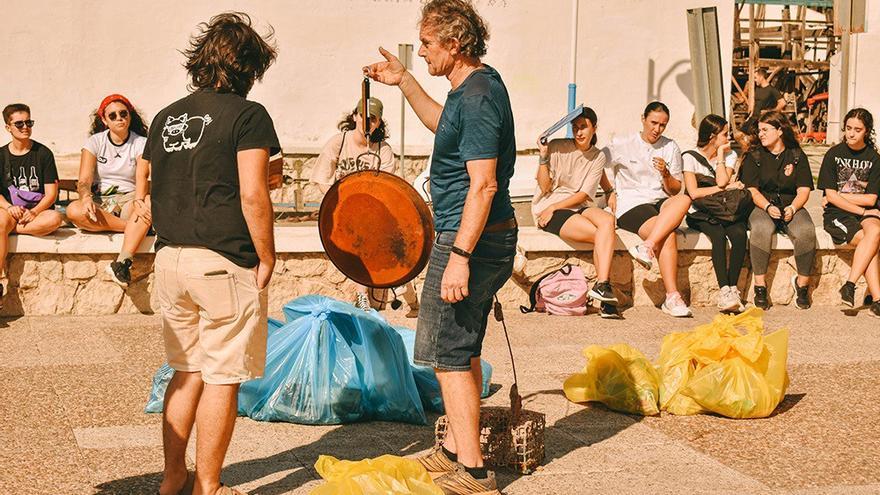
<point x="449" y="335"/>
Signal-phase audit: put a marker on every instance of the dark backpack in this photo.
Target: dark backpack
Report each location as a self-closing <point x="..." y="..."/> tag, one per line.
<point x="726" y="206"/>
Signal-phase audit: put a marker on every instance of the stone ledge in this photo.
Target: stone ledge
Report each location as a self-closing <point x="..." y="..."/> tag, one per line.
<point x="305" y="239"/>
<point x="292" y="239"/>
<point x="535" y="240"/>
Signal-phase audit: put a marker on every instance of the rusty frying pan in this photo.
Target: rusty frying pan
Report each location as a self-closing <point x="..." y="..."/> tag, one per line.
<point x="374" y="226"/>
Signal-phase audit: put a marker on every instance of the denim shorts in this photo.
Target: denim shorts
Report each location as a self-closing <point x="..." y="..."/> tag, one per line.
<point x="449" y="335"/>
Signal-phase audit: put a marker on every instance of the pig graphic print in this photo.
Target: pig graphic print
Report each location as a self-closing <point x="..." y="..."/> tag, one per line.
<point x="184" y="132"/>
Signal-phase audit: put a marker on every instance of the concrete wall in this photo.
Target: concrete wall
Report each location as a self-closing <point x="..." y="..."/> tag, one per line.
<point x="866" y="75"/>
<point x="63" y="56"/>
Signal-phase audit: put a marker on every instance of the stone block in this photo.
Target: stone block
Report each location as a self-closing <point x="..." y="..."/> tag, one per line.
<point x="24" y="271"/>
<point x="48" y="298"/>
<point x="138" y="297"/>
<point x="97" y="297"/>
<point x="51" y="268"/>
<point x="79" y="267"/>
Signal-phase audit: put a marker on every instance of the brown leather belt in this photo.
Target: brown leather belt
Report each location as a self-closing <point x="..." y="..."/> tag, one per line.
<point x="508" y="224"/>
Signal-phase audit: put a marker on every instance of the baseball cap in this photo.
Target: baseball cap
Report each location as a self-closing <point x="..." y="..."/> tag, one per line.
<point x="374" y="107"/>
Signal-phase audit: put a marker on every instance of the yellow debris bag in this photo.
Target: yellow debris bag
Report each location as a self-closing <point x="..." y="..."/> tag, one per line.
<point x="385" y="475"/>
<point x="738" y="387"/>
<point x="718" y="368"/>
<point x="620" y="377"/>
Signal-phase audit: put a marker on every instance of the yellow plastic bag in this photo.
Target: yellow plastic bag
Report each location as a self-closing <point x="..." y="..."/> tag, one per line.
<point x="718" y="368"/>
<point x="620" y="377"/>
<point x="385" y="475"/>
<point x="738" y="387"/>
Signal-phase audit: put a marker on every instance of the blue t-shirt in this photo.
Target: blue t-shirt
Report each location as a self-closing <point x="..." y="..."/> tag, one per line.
<point x="476" y="123"/>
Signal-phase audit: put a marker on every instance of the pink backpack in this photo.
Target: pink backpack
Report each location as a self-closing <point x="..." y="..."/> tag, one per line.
<point x="561" y="292"/>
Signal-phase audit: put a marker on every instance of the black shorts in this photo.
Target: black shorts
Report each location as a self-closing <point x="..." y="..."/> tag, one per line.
<point x="558" y="220"/>
<point x="636" y="217"/>
<point x="842" y="225"/>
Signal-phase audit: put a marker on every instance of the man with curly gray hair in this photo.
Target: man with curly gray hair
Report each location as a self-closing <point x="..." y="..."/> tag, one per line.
<point x="472" y="257"/>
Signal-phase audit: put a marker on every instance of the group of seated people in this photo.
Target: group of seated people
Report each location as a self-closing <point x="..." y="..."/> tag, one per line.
<point x="648" y="182"/>
<point x="653" y="185"/>
<point x="112" y="187"/>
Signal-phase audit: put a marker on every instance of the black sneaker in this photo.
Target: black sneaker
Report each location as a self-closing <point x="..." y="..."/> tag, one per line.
<point x="609" y="312"/>
<point x="848" y="295"/>
<point x="868" y="300"/>
<point x="120" y="272"/>
<point x="875" y="309"/>
<point x="602" y="292"/>
<point x="761" y="300"/>
<point x="802" y="299"/>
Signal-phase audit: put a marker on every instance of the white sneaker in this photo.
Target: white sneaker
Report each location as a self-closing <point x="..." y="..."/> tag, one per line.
<point x="675" y="306"/>
<point x="642" y="254"/>
<point x="727" y="300"/>
<point x="735" y="295"/>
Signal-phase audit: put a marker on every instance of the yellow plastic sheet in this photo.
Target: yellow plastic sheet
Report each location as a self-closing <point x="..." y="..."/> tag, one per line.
<point x="728" y="367"/>
<point x="620" y="377"/>
<point x="385" y="475"/>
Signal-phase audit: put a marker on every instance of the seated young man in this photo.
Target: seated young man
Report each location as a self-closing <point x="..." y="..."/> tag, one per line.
<point x="29" y="184"/>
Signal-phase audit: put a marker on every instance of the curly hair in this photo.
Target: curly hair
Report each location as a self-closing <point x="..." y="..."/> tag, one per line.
<point x="228" y="55"/>
<point x="867" y="120"/>
<point x="349" y="124"/>
<point x="137" y="124"/>
<point x="456" y="20"/>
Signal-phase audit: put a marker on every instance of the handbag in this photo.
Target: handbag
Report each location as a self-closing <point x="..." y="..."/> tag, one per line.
<point x="730" y="205"/>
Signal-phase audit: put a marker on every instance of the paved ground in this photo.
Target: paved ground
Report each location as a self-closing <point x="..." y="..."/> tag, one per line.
<point x="73" y="390"/>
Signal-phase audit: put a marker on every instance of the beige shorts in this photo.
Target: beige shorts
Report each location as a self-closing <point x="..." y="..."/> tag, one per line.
<point x="214" y="318"/>
<point x="119" y="204"/>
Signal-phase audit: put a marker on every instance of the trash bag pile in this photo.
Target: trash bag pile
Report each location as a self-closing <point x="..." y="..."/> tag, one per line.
<point x="386" y="474"/>
<point x="728" y="367"/>
<point x="332" y="363"/>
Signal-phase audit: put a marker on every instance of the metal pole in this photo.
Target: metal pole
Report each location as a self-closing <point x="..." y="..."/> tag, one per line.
<point x="572" y="85"/>
<point x="404" y="53"/>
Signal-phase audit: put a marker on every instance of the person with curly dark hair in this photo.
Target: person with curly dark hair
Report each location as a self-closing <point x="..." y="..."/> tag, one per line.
<point x="850" y="177"/>
<point x="108" y="170"/>
<point x="472" y="257"/>
<point x="215" y="247"/>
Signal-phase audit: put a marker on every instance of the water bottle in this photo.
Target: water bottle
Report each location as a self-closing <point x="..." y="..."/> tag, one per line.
<point x="33" y="180"/>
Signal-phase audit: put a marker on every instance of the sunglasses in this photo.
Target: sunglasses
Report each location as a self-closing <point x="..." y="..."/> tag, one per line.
<point x="20" y="124"/>
<point x="123" y="114"/>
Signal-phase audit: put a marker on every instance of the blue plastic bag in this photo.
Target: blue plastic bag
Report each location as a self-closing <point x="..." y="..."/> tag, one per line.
<point x="426" y="379"/>
<point x="332" y="363"/>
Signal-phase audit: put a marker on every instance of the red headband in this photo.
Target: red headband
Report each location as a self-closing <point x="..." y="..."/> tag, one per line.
<point x="110" y="99"/>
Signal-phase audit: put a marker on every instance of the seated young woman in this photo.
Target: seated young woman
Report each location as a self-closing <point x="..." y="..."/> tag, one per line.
<point x="111" y="166"/>
<point x="648" y="179"/>
<point x="850" y="177"/>
<point x="713" y="158"/>
<point x="569" y="173"/>
<point x="778" y="175"/>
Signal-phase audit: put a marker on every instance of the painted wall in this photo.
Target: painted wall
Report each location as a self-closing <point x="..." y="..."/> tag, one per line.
<point x="866" y="71"/>
<point x="62" y="57"/>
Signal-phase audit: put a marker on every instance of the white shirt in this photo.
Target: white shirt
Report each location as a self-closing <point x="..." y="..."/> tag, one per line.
<point x="691" y="164"/>
<point x="636" y="180"/>
<point x="116" y="163"/>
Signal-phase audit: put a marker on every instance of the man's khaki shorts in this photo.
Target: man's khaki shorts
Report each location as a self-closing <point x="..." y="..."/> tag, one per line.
<point x="213" y="316"/>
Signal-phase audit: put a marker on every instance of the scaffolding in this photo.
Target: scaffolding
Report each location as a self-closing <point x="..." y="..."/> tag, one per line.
<point x="796" y="48"/>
